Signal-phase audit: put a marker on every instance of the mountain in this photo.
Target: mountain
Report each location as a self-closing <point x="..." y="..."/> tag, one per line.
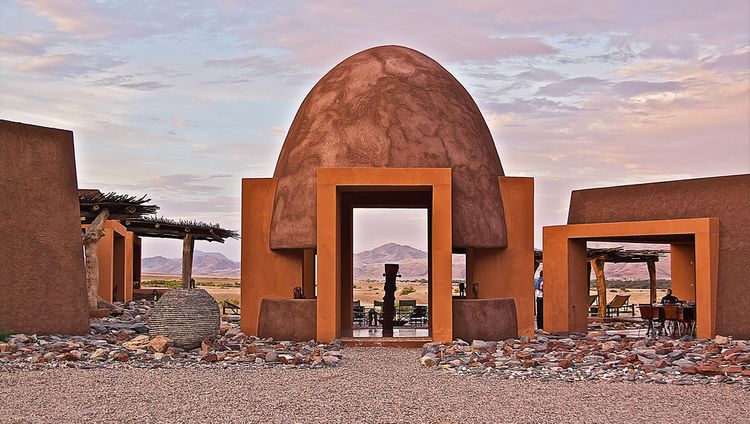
<point x="413" y="263"/>
<point x="204" y="263"/>
<point x="368" y="265"/>
<point x="637" y="271"/>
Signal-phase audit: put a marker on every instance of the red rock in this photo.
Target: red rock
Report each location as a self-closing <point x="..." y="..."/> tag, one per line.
<point x="565" y="363"/>
<point x="712" y="348"/>
<point x="211" y="357"/>
<point x="660" y="363"/>
<point x="524" y="355"/>
<point x="122" y="357"/>
<point x="734" y="369"/>
<point x="746" y="372"/>
<point x="629" y="359"/>
<point x="206" y="345"/>
<point x="253" y="349"/>
<point x="121" y="336"/>
<point x="529" y="363"/>
<point x="708" y="370"/>
<point x="689" y="370"/>
<point x="648" y="367"/>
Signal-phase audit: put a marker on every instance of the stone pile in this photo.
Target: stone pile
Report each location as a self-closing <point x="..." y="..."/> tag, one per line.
<point x="123" y="341"/>
<point x="599" y="358"/>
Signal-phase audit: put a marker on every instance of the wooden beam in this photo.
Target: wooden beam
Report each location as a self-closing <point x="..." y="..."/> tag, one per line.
<point x="597" y="265"/>
<point x="91" y="237"/>
<point x="652" y="280"/>
<point x="188" y="246"/>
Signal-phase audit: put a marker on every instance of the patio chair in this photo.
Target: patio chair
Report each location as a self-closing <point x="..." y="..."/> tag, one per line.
<point x="419" y="314"/>
<point x="592" y="299"/>
<point x="359" y="315"/>
<point x="620" y="303"/>
<point x="405" y="307"/>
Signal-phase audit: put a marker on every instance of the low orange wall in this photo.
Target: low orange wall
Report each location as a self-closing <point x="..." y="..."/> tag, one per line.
<point x="264" y="273"/>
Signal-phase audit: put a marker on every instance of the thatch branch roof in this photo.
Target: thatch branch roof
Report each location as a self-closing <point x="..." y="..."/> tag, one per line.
<point x="120" y="206"/>
<point x="169" y="228"/>
<point x="617" y="254"/>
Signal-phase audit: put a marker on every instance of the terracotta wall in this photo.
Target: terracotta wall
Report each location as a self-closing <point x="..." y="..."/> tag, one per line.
<point x="509" y="272"/>
<point x="42" y="285"/>
<point x="726" y="198"/>
<point x="264" y="273"/>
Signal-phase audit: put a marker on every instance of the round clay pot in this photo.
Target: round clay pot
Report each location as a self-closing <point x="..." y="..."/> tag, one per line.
<point x="187" y="316"/>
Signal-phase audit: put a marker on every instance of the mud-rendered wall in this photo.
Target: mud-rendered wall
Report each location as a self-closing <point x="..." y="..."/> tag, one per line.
<point x="726" y="198"/>
<point x="42" y="285"/>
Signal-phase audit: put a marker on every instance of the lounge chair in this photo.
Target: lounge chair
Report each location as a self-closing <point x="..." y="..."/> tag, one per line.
<point x="620" y="304"/>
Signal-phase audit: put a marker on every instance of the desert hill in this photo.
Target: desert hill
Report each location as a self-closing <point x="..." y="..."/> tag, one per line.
<point x="369" y="265"/>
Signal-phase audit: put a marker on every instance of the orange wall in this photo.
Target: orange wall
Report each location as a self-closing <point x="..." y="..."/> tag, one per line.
<point x="509" y="272"/>
<point x="106" y="261"/>
<point x="329" y="180"/>
<point x="108" y="275"/>
<point x="264" y="273"/>
<point x="683" y="270"/>
<point x="565" y="288"/>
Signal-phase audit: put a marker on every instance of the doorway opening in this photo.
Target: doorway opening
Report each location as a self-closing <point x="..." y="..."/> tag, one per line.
<point x="383" y="236"/>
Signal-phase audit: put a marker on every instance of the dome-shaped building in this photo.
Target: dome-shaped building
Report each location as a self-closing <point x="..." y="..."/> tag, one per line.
<point x="387" y="128"/>
<point x="390" y="107"/>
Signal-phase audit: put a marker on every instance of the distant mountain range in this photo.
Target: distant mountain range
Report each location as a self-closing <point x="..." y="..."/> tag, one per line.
<point x="204" y="263"/>
<point x="369" y="265"/>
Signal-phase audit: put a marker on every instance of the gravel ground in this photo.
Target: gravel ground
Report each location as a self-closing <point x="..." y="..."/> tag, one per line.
<point x="372" y="385"/>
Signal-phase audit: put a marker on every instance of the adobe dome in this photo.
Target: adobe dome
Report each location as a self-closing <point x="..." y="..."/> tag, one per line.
<point x="392" y="107"/>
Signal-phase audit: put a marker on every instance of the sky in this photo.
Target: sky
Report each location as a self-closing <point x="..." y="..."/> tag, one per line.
<point x="180" y="100"/>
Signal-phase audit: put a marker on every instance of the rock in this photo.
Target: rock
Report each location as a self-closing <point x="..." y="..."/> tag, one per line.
<point x="224" y="327"/>
<point x="158" y="356"/>
<point x="139" y="342"/>
<point x="73" y="355"/>
<point x="122" y="357"/>
<point x="210" y="357"/>
<point x="565" y="363"/>
<point x="232" y="332"/>
<point x="99" y="355"/>
<point x="160" y="344"/>
<point x="428" y="361"/>
<point x="721" y="339"/>
<point x="733" y="369"/>
<point x="708" y="370"/>
<point x="479" y="345"/>
<point x="330" y="360"/>
<point x="272" y="356"/>
<point x="207" y="345"/>
<point x="252" y="349"/>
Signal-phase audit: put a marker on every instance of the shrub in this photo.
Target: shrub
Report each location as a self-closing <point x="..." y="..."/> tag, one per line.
<point x="406" y="290"/>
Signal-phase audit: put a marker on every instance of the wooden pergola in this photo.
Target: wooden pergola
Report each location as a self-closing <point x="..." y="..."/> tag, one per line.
<point x="187" y="231"/>
<point x="95" y="209"/>
<point x="598" y="256"/>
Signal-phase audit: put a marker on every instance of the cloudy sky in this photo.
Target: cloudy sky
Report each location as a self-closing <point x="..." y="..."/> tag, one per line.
<point x="179" y="100"/>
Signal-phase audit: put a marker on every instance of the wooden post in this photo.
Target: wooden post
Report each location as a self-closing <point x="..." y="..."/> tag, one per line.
<point x="91" y="237"/>
<point x="652" y="280"/>
<point x="597" y="264"/>
<point x="188" y="245"/>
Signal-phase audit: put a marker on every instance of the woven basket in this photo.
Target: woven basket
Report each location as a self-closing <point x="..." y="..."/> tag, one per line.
<point x="187" y="316"/>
